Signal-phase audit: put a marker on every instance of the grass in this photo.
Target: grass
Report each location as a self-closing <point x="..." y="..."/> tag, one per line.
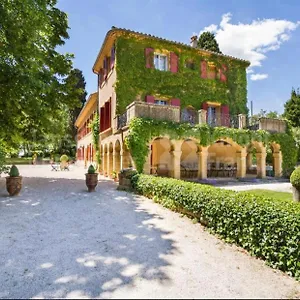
<point x="21" y="160"/>
<point x="272" y="194"/>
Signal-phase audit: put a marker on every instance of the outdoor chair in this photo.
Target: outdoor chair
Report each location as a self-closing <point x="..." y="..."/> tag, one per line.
<point x="55" y="167"/>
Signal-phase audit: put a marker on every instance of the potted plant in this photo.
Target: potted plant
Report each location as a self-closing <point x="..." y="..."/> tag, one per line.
<point x="295" y="181"/>
<point x="114" y="175"/>
<point x="64" y="165"/>
<point x="14" y="181"/>
<point x="91" y="178"/>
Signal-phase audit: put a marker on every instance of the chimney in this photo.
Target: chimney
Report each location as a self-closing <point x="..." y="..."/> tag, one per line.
<point x="193" y="43"/>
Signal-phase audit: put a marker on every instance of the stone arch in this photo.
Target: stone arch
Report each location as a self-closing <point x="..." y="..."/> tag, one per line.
<point x="189" y="160"/>
<point x="226" y="158"/>
<point x="256" y="159"/>
<point x="110" y="159"/>
<point x="126" y="160"/>
<point x="160" y="156"/>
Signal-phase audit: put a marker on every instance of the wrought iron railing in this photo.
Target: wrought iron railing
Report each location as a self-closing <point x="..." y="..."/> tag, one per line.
<point x="122" y="120"/>
<point x="225" y="120"/>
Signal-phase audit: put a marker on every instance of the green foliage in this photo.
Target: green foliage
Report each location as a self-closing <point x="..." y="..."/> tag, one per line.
<point x="186" y="84"/>
<point x="128" y="173"/>
<point x="292" y="109"/>
<point x="91" y="169"/>
<point x="295" y="178"/>
<point x="207" y="41"/>
<point x="35" y="81"/>
<point x="14" y="171"/>
<point x="64" y="158"/>
<point x="3" y="167"/>
<point x="95" y="125"/>
<point x="268" y="228"/>
<point x="142" y="131"/>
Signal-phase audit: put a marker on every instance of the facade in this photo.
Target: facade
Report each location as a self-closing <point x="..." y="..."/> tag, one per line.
<point x="85" y="149"/>
<point x="142" y="76"/>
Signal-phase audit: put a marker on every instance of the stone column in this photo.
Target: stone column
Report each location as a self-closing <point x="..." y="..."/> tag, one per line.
<point x="114" y="160"/>
<point x="121" y="160"/>
<point x="104" y="163"/>
<point x="202" y="113"/>
<point x="277" y="156"/>
<point x="249" y="160"/>
<point x="147" y="165"/>
<point x="176" y="157"/>
<point x="241" y="163"/>
<point x="242" y="121"/>
<point x="261" y="163"/>
<point x="202" y="163"/>
<point x="108" y="170"/>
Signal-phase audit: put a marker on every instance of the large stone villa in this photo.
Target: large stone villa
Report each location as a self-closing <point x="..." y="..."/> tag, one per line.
<point x="140" y="75"/>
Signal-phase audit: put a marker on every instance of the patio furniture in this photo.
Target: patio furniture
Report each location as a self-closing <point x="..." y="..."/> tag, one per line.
<point x="55" y="167"/>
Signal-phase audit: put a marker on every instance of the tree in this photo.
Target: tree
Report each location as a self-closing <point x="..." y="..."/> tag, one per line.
<point x="74" y="113"/>
<point x="292" y="109"/>
<point x="207" y="41"/>
<point x="35" y="81"/>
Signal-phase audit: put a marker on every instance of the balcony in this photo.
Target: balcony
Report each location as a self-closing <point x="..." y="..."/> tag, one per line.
<point x="175" y="114"/>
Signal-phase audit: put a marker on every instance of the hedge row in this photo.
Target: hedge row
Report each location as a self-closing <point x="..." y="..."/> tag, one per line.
<point x="267" y="228"/>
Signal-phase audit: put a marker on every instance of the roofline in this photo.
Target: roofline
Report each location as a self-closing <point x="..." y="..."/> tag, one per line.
<point x="85" y="105"/>
<point x="123" y="30"/>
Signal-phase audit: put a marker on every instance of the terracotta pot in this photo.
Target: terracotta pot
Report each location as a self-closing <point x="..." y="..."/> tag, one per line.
<point x="296" y="194"/>
<point x="14" y="185"/>
<point x="91" y="181"/>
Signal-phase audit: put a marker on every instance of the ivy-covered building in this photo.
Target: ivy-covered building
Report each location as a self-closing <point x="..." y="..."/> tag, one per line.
<point x="173" y="109"/>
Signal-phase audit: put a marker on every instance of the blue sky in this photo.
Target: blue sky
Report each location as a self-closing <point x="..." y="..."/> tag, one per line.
<point x="267" y="32"/>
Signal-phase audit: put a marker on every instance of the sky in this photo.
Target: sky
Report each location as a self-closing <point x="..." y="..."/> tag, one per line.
<point x="265" y="32"/>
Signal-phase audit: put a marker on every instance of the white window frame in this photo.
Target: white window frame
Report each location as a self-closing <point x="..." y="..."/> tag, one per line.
<point x="160" y="66"/>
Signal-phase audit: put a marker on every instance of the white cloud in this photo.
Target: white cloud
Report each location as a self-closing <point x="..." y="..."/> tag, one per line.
<point x="258" y="76"/>
<point x="251" y="41"/>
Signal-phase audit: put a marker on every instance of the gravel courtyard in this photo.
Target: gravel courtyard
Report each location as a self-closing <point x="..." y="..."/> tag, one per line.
<point x="58" y="241"/>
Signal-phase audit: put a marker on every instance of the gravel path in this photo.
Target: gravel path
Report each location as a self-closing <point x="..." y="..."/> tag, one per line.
<point x="58" y="241"/>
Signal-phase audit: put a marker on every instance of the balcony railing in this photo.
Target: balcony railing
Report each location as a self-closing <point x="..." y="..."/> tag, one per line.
<point x="122" y="120"/>
<point x="175" y="114"/>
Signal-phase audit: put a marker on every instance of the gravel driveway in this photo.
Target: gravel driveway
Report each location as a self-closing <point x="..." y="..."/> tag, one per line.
<point x="57" y="240"/>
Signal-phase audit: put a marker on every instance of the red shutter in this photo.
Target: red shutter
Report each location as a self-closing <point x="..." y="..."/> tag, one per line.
<point x="149" y="57"/>
<point x="225" y="118"/>
<point x="101" y="119"/>
<point x="112" y="57"/>
<point x="222" y="73"/>
<point x="175" y="102"/>
<point x="150" y="99"/>
<point x="106" y="115"/>
<point x="173" y="62"/>
<point x="203" y="69"/>
<point x="109" y="114"/>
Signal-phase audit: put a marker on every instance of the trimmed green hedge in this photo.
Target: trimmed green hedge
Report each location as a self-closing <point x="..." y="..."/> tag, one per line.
<point x="267" y="228"/>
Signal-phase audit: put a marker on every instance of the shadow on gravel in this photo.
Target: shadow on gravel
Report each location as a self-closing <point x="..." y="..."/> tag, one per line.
<point x="59" y="241"/>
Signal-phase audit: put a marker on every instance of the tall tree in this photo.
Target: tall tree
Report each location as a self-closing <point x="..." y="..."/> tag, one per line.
<point x="35" y="85"/>
<point x="74" y="113"/>
<point x="292" y="109"/>
<point x="207" y="41"/>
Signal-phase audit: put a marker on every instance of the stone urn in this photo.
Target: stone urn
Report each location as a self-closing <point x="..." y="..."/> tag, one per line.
<point x="91" y="179"/>
<point x="14" y="182"/>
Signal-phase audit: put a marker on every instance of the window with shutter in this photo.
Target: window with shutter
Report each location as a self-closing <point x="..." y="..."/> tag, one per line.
<point x="150" y="99"/>
<point x="161" y="62"/>
<point x="173" y="62"/>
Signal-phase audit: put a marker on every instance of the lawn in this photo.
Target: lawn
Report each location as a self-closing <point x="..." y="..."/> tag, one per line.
<point x="272" y="194"/>
<point x="22" y="161"/>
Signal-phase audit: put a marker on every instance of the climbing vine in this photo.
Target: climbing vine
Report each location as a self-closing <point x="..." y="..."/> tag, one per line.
<point x="135" y="80"/>
<point x="95" y="137"/>
<point x="142" y="131"/>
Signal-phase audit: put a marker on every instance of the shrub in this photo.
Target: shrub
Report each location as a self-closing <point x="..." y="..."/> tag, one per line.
<point x="14" y="171"/>
<point x="266" y="227"/>
<point x="295" y="178"/>
<point x="129" y="173"/>
<point x="91" y="170"/>
<point x="64" y="158"/>
<point x="3" y="168"/>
